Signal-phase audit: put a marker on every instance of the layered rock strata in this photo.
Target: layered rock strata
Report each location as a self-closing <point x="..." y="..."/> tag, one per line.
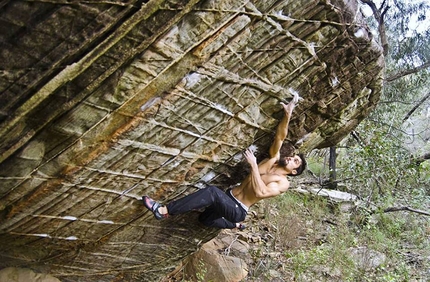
<point x="102" y="102"/>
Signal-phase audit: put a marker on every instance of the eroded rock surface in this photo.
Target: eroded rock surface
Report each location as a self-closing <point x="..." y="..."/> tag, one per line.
<point x="102" y="102"/>
<point x="12" y="274"/>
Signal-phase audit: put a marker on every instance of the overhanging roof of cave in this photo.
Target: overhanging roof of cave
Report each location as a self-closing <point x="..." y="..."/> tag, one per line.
<point x="104" y="101"/>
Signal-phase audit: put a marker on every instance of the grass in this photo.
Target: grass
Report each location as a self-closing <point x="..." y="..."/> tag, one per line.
<point x="314" y="242"/>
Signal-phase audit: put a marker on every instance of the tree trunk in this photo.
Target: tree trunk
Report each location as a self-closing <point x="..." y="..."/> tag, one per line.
<point x="332" y="168"/>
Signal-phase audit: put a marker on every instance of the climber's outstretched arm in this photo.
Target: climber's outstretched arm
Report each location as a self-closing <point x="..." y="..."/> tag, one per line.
<point x="282" y="130"/>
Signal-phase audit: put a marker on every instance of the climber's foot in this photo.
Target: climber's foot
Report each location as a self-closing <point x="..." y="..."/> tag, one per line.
<point x="153" y="206"/>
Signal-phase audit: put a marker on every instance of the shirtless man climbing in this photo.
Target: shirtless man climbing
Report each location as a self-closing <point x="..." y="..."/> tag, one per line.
<point x="227" y="209"/>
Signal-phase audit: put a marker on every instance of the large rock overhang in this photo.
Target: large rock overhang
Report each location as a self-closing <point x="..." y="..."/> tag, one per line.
<point x="102" y="103"/>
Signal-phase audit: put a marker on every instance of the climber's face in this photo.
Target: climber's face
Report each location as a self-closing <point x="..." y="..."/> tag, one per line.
<point x="290" y="163"/>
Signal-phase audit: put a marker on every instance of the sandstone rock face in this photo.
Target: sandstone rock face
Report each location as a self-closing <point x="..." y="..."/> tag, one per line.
<point x="212" y="263"/>
<point x="102" y="102"/>
<point x="12" y="274"/>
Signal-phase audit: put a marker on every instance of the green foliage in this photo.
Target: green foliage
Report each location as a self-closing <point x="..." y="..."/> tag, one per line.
<point x="376" y="167"/>
<point x="381" y="164"/>
<point x="406" y="25"/>
<point x="425" y="172"/>
<point x="317" y="166"/>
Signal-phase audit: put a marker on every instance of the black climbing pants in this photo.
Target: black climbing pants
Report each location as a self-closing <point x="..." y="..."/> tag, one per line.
<point x="222" y="210"/>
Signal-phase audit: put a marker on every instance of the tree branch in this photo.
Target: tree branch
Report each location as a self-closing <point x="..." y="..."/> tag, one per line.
<point x="394" y="209"/>
<point x="416" y="106"/>
<point x="407" y="72"/>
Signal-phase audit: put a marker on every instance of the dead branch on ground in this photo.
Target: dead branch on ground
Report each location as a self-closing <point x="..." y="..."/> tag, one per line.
<point x="394" y="209"/>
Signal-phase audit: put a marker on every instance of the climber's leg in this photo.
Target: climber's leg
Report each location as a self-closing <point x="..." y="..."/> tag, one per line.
<point x="212" y="198"/>
<point x="211" y="218"/>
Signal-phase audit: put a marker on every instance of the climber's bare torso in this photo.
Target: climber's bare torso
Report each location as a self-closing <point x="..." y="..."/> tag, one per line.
<point x="273" y="177"/>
